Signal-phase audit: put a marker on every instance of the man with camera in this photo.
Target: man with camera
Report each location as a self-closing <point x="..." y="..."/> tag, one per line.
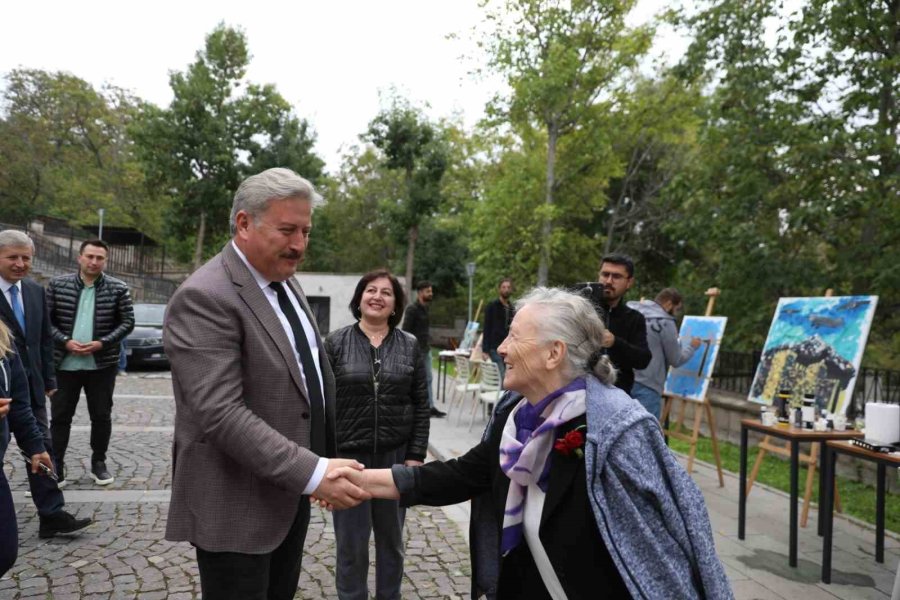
<point x="625" y="339"/>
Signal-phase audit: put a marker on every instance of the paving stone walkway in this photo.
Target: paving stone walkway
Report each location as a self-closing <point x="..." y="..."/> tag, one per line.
<point x="123" y="554"/>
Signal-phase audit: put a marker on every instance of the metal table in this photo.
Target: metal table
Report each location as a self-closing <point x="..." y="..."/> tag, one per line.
<point x="445" y="357"/>
<point x="882" y="460"/>
<point x="794" y="437"/>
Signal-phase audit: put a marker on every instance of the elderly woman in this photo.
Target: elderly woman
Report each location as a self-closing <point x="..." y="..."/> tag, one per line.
<point x="587" y="501"/>
<point x="382" y="420"/>
<point x="15" y="414"/>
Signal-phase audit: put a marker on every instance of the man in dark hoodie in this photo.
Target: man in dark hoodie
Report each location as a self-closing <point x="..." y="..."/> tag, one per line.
<point x="625" y="340"/>
<point x="667" y="351"/>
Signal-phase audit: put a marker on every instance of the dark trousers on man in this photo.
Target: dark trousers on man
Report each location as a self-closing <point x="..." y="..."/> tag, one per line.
<point x="46" y="495"/>
<point x="98" y="385"/>
<point x="272" y="576"/>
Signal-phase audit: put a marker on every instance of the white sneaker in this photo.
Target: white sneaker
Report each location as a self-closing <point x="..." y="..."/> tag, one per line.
<point x="100" y="474"/>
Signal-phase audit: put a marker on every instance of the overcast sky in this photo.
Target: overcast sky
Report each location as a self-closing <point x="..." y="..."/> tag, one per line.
<point x="331" y="59"/>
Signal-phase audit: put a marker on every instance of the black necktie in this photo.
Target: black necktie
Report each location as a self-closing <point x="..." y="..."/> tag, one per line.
<point x="313" y="387"/>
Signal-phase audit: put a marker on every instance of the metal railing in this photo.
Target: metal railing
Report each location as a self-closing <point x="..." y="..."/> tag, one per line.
<point x="61" y="258"/>
<point x="734" y="372"/>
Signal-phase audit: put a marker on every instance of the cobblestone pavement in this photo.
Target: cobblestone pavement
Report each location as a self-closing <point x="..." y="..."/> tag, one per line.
<point x="123" y="554"/>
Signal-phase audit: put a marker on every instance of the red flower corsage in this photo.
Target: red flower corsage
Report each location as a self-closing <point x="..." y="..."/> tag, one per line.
<point x="571" y="443"/>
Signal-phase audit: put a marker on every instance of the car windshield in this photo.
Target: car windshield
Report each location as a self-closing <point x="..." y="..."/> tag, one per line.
<point x="149" y="315"/>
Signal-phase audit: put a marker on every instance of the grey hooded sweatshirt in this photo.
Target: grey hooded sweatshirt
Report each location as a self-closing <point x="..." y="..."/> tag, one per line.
<point x="662" y="338"/>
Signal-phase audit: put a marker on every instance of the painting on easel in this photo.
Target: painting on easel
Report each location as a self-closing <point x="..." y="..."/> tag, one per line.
<point x="815" y="345"/>
<point x="469" y="336"/>
<point x="691" y="380"/>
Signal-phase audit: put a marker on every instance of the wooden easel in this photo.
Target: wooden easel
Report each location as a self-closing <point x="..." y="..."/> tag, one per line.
<point x="675" y="430"/>
<point x="475" y="359"/>
<point x="811" y="461"/>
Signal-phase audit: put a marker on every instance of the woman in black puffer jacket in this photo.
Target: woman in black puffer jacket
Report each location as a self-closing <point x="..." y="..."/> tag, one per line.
<point x="382" y="420"/>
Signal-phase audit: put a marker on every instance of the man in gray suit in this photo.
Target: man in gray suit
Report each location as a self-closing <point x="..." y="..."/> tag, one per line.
<point x="254" y="397"/>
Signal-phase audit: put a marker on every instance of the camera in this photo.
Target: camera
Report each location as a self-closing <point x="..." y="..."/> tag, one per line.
<point x="593" y="292"/>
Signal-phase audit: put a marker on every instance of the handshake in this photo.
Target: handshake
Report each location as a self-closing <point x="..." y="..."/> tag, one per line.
<point x="347" y="483"/>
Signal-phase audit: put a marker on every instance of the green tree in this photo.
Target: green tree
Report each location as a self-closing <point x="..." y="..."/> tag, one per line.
<point x="65" y="152"/>
<point x="291" y="147"/>
<point x="414" y="147"/>
<point x="559" y="59"/>
<point x="737" y="200"/>
<point x="354" y="209"/>
<point x="794" y="185"/>
<point x="217" y="128"/>
<point x="843" y="68"/>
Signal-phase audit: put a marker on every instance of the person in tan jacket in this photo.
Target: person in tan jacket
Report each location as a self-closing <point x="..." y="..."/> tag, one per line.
<point x="254" y="397"/>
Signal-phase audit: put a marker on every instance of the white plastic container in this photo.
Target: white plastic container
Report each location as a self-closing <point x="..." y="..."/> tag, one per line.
<point x="883" y="422"/>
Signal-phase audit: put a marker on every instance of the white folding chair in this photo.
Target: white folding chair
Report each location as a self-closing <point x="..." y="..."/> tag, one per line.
<point x="490" y="389"/>
<point x="464" y="386"/>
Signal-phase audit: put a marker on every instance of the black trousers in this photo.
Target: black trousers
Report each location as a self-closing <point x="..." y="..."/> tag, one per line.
<point x="9" y="533"/>
<point x="272" y="576"/>
<point x="98" y="386"/>
<point x="45" y="494"/>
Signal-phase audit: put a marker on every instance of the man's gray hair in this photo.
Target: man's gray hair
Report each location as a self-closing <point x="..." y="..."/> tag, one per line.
<point x="14" y="237"/>
<point x="572" y="320"/>
<point x="255" y="192"/>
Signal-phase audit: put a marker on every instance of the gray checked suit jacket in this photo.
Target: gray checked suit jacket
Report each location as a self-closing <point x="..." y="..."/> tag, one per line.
<point x="242" y="418"/>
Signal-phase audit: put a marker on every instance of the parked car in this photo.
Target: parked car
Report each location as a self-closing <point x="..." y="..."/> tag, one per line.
<point x="144" y="346"/>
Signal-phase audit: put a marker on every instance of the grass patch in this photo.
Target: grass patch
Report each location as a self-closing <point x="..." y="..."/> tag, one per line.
<point x="857" y="499"/>
<point x="450" y="365"/>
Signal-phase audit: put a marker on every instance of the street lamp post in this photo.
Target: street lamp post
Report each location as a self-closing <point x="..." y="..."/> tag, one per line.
<point x="470" y="271"/>
<point x="100" y="229"/>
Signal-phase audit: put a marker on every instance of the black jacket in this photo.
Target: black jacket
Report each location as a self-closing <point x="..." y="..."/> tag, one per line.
<point x="113" y="315"/>
<point x="35" y="345"/>
<point x="397" y="414"/>
<point x="497" y="318"/>
<point x="630" y="351"/>
<point x="568" y="528"/>
<point x="415" y="321"/>
<point x="20" y="419"/>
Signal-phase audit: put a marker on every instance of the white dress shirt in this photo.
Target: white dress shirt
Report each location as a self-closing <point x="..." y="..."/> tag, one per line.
<point x="272" y="297"/>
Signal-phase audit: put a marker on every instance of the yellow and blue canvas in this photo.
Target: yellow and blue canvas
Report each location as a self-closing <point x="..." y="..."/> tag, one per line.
<point x="815" y="346"/>
<point x="691" y="380"/>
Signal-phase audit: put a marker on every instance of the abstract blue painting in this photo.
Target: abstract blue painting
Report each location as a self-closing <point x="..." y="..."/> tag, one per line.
<point x="815" y="345"/>
<point x="691" y="379"/>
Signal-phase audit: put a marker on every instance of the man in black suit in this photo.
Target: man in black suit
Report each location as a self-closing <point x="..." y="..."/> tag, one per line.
<point x="24" y="310"/>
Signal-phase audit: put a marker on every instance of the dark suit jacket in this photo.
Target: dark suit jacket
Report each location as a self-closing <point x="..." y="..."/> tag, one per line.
<point x="242" y="419"/>
<point x="34" y="346"/>
<point x="568" y="529"/>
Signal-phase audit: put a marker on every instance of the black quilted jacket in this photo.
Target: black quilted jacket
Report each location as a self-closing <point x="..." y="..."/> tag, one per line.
<point x="113" y="315"/>
<point x="398" y="413"/>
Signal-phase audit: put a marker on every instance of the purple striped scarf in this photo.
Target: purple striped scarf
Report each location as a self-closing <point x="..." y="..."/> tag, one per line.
<point x="526" y="461"/>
